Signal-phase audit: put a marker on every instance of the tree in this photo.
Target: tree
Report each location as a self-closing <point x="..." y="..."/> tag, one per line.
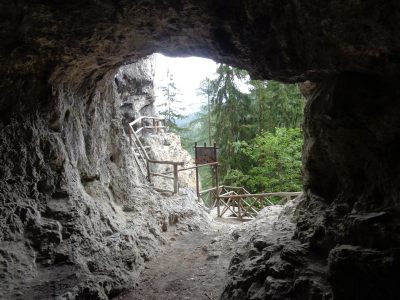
<point x="274" y="162"/>
<point x="259" y="95"/>
<point x="258" y="132"/>
<point x="279" y="105"/>
<point x="206" y="89"/>
<point x="233" y="119"/>
<point x="170" y="111"/>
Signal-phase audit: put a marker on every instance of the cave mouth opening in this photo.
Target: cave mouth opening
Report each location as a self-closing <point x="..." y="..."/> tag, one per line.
<point x="206" y="102"/>
<point x="61" y="173"/>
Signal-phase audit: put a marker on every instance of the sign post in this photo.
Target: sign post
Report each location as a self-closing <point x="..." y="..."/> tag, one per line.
<point x="206" y="155"/>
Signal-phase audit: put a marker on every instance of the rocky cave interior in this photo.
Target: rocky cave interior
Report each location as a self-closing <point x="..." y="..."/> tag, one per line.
<point x="73" y="203"/>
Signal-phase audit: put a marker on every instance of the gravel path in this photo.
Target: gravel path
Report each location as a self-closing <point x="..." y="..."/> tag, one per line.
<point x="192" y="266"/>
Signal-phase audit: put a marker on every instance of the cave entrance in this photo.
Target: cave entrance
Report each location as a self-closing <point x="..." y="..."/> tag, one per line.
<point x="257" y="125"/>
<point x="240" y="116"/>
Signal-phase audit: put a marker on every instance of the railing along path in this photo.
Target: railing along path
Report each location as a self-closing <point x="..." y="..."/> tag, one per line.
<point x="235" y="200"/>
<point x="156" y="124"/>
<point x="239" y="202"/>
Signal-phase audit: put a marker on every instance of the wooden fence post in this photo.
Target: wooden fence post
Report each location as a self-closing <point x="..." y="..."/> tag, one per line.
<point x="218" y="202"/>
<point x="148" y="171"/>
<point x="239" y="204"/>
<point x="176" y="183"/>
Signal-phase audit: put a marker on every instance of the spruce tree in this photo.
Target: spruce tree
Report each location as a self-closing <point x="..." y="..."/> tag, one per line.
<point x="170" y="111"/>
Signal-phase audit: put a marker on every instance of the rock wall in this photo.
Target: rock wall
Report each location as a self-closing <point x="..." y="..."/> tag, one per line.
<point x="344" y="241"/>
<point x="135" y="87"/>
<point x="352" y="132"/>
<point x="79" y="42"/>
<point x="167" y="146"/>
<point x="78" y="219"/>
<point x="69" y="193"/>
<point x="270" y="264"/>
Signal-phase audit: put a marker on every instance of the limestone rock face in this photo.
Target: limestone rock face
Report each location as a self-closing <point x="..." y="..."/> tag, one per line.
<point x="167" y="146"/>
<point x="73" y="202"/>
<point x="352" y="134"/>
<point x="270" y="264"/>
<point x="345" y="229"/>
<point x="78" y="42"/>
<point x="78" y="219"/>
<point x="135" y="87"/>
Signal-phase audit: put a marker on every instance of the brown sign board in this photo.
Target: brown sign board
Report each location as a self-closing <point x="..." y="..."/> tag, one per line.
<point x="205" y="155"/>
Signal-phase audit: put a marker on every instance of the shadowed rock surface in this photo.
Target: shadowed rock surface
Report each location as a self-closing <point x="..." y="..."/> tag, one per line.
<point x="73" y="200"/>
<point x="78" y="219"/>
<point x="76" y="43"/>
<point x="269" y="264"/>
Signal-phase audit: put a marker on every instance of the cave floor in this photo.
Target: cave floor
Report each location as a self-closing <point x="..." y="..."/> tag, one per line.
<point x="193" y="265"/>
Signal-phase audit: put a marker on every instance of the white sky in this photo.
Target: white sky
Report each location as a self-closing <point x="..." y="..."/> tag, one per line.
<point x="187" y="72"/>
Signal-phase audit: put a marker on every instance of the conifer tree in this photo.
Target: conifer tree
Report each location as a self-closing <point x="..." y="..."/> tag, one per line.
<point x="233" y="119"/>
<point x="170" y="111"/>
<point x="279" y="105"/>
<point x="258" y="132"/>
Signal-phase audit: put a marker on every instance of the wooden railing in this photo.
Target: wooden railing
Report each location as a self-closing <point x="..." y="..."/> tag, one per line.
<point x="145" y="157"/>
<point x="156" y="123"/>
<point x="209" y="197"/>
<point x="239" y="202"/>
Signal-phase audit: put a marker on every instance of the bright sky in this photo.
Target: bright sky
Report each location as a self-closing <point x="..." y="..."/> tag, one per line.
<point x="187" y="72"/>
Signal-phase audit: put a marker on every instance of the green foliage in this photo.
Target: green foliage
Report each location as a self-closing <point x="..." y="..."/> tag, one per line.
<point x="206" y="89"/>
<point x="274" y="162"/>
<point x="206" y="179"/>
<point x="171" y="113"/>
<point x="258" y="132"/>
<point x="232" y="118"/>
<point x="277" y="105"/>
<point x="197" y="132"/>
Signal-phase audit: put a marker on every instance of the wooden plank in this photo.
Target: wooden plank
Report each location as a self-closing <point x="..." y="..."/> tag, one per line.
<point x="197" y="183"/>
<point x="227" y="206"/>
<point x="176" y="182"/>
<point x="140" y="145"/>
<point x="233" y="187"/>
<point x="146" y="117"/>
<point x="166" y="162"/>
<point x="162" y="190"/>
<point x="281" y="194"/>
<point x="191" y="168"/>
<point x="208" y="190"/>
<point x="148" y="172"/>
<point x="250" y="206"/>
<point x="152" y="127"/>
<point x="161" y="175"/>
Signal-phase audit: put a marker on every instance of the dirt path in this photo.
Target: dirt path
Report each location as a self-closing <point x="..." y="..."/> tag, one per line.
<point x="193" y="266"/>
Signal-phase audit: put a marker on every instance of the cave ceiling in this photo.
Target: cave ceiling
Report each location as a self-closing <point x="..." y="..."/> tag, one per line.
<point x="71" y="41"/>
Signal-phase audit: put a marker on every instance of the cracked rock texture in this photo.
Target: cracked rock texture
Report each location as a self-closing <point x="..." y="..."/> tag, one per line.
<point x="269" y="264"/>
<point x="75" y="42"/>
<point x="74" y="203"/>
<point x="343" y="239"/>
<point x="78" y="219"/>
<point x="167" y="146"/>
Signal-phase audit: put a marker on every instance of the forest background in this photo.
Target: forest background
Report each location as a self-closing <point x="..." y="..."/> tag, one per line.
<point x="258" y="131"/>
